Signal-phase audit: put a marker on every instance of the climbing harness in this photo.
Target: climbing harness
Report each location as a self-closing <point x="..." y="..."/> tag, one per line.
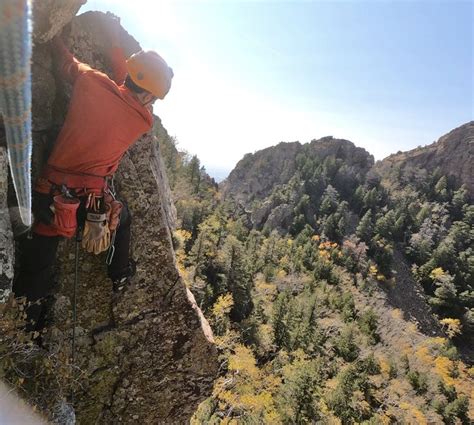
<point x="15" y="96"/>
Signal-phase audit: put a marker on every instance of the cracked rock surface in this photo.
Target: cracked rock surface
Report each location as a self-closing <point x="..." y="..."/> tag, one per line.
<point x="145" y="355"/>
<point x="6" y="235"/>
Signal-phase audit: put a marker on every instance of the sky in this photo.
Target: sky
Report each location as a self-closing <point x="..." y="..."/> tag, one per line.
<point x="386" y="75"/>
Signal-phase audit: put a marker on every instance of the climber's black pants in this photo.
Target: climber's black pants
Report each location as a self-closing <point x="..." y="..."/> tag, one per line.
<point x="35" y="278"/>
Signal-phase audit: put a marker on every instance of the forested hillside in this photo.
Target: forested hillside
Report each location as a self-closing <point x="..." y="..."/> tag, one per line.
<point x="337" y="291"/>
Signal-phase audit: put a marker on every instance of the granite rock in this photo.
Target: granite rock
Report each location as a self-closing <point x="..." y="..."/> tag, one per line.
<point x="148" y="354"/>
<point x="452" y="154"/>
<point x="6" y="235"/>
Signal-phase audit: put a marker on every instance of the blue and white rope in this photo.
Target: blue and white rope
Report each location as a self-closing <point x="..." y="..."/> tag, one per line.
<point x="15" y="95"/>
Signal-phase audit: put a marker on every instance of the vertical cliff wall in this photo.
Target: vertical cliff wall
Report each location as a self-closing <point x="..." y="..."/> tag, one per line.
<point x="147" y="355"/>
<point x="6" y="235"/>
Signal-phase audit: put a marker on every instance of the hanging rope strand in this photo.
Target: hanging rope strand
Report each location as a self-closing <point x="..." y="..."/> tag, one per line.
<point x="15" y="96"/>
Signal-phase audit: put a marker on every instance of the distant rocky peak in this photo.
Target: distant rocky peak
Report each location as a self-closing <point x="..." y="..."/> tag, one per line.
<point x="256" y="175"/>
<point x="453" y="154"/>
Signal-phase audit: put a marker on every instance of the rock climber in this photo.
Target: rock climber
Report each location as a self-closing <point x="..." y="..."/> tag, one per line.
<point x="74" y="194"/>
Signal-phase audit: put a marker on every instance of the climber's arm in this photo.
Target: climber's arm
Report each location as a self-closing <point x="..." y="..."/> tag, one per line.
<point x="118" y="64"/>
<point x="115" y="52"/>
<point x="69" y="67"/>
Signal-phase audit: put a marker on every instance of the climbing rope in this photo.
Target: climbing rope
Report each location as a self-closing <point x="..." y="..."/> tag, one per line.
<point x="15" y="96"/>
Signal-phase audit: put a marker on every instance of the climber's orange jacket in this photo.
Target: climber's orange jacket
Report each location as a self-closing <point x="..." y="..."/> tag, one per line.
<point x="104" y="119"/>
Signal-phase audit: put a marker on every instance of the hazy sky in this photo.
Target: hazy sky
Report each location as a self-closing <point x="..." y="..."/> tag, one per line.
<point x="387" y="75"/>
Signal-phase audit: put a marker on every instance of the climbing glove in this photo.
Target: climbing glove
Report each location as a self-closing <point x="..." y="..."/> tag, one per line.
<point x="96" y="237"/>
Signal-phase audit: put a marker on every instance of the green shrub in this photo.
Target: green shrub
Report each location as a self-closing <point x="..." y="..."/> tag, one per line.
<point x="346" y="346"/>
<point x="418" y="381"/>
<point x="368" y="322"/>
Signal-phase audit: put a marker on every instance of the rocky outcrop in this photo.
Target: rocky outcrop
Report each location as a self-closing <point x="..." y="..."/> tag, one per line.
<point x="50" y="17"/>
<point x="147" y="355"/>
<point x="452" y="153"/>
<point x="257" y="174"/>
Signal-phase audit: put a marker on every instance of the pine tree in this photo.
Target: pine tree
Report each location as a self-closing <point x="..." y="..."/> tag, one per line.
<point x="446" y="292"/>
<point x="385" y="225"/>
<point x="304" y="398"/>
<point x="281" y="332"/>
<point x="234" y="264"/>
<point x="441" y="189"/>
<point x="460" y="198"/>
<point x="364" y="230"/>
<point x="358" y="199"/>
<point x="346" y="346"/>
<point x="330" y="201"/>
<point x="371" y="199"/>
<point x="311" y="338"/>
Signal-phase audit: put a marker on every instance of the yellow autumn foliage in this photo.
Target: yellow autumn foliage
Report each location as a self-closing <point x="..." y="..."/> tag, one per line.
<point x="470" y="371"/>
<point x="384" y="365"/>
<point x="444" y="367"/>
<point x="424" y="355"/>
<point x="452" y="327"/>
<point x="244" y="362"/>
<point x="222" y="306"/>
<point x="182" y="235"/>
<point x="373" y="271"/>
<point x="413" y="415"/>
<point x="437" y="341"/>
<point x="437" y="273"/>
<point x="323" y="254"/>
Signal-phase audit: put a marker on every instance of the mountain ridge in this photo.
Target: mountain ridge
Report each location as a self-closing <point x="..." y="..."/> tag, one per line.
<point x="460" y="138"/>
<point x="453" y="153"/>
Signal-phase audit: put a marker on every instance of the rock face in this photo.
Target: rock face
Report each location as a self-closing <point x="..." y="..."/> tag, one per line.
<point x="50" y="17"/>
<point x="452" y="153"/>
<point x="6" y="236"/>
<point x="145" y="356"/>
<point x="145" y="353"/>
<point x="256" y="176"/>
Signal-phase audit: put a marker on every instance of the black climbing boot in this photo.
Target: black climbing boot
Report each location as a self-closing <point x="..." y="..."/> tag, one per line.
<point x="121" y="280"/>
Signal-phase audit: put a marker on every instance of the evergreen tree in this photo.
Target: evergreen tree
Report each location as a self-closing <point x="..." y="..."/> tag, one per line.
<point x="385" y="225"/>
<point x="358" y="198"/>
<point x="346" y="345"/>
<point x="365" y="230"/>
<point x="330" y="201"/>
<point x="281" y="332"/>
<point x="441" y="189"/>
<point x="371" y="199"/>
<point x="460" y="198"/>
<point x="446" y="292"/>
<point x="236" y="277"/>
